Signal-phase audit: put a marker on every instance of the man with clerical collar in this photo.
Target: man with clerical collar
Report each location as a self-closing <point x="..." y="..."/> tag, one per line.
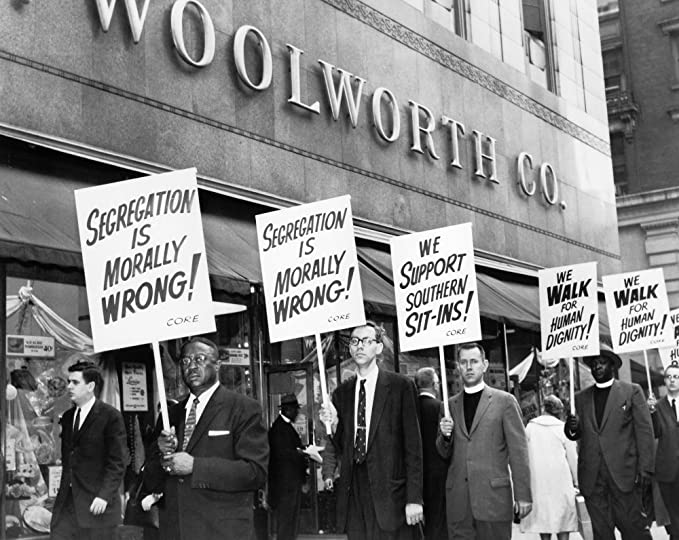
<point x="616" y="457"/>
<point x="489" y="478"/>
<point x="665" y="415"/>
<point x="376" y="434"/>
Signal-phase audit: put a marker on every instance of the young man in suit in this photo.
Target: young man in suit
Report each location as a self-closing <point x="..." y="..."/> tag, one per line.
<point x="376" y="435"/>
<point x="214" y="457"/>
<point x="94" y="456"/>
<point x="665" y="416"/>
<point x="435" y="467"/>
<point x="616" y="456"/>
<point x="489" y="477"/>
<point x="287" y="469"/>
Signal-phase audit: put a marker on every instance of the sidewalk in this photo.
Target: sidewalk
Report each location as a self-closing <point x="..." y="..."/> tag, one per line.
<point x="658" y="533"/>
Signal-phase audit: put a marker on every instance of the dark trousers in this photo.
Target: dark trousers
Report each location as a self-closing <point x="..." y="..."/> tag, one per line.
<point x="361" y="518"/>
<point x="473" y="529"/>
<point x="435" y="525"/>
<point x="608" y="508"/>
<point x="287" y="514"/>
<point x="670" y="496"/>
<point x="67" y="528"/>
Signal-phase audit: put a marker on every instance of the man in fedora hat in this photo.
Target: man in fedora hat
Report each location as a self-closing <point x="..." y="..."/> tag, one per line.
<point x="287" y="468"/>
<point x="616" y="456"/>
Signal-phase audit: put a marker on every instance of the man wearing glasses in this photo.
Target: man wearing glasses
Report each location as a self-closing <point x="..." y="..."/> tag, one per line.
<point x="376" y="435"/>
<point x="665" y="415"/>
<point x="214" y="457"/>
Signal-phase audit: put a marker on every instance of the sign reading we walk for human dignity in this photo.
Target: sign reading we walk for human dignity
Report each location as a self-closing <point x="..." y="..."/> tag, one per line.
<point x="144" y="258"/>
<point x="435" y="287"/>
<point x="637" y="308"/>
<point x="569" y="311"/>
<point x="310" y="269"/>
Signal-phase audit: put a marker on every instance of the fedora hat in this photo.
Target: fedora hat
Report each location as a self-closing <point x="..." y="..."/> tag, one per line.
<point x="290" y="399"/>
<point x="607" y="352"/>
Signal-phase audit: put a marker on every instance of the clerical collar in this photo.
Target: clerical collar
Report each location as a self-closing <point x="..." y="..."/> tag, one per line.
<point x="606" y="384"/>
<point x="474" y="389"/>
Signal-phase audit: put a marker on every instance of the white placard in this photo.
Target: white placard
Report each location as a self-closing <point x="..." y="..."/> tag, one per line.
<point x="135" y="392"/>
<point x="145" y="262"/>
<point x="637" y="307"/>
<point x="671" y="354"/>
<point x="33" y="346"/>
<point x="54" y="479"/>
<point x="569" y="311"/>
<point x="310" y="269"/>
<point x="435" y="287"/>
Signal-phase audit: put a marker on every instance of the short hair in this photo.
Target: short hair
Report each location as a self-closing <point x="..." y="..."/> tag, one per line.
<point x="425" y="378"/>
<point x="553" y="405"/>
<point x="91" y="373"/>
<point x="204" y="341"/>
<point x="471" y="346"/>
<point x="380" y="332"/>
<point x="673" y="365"/>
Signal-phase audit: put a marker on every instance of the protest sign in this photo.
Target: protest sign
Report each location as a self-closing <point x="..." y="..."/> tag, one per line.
<point x="670" y="353"/>
<point x="637" y="307"/>
<point x="435" y="287"/>
<point x="310" y="269"/>
<point x="144" y="257"/>
<point x="569" y="311"/>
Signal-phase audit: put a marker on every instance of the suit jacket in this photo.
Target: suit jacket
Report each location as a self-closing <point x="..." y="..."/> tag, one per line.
<point x="287" y="466"/>
<point x="624" y="441"/>
<point x="482" y="457"/>
<point x="394" y="449"/>
<point x="230" y="456"/>
<point x="435" y="467"/>
<point x="666" y="430"/>
<point x="94" y="461"/>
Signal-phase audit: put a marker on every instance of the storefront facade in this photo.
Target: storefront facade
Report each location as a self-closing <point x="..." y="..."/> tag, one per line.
<point x="426" y="113"/>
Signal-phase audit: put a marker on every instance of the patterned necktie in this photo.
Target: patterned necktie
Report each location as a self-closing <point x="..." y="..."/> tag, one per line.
<point x="361" y="439"/>
<point x="76" y="422"/>
<point x="190" y="425"/>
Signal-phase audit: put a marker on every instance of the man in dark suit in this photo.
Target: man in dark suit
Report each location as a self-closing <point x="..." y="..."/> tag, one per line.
<point x="489" y="477"/>
<point x="287" y="469"/>
<point x="435" y="467"/>
<point x="94" y="456"/>
<point x="377" y="438"/>
<point x="213" y="459"/>
<point x="665" y="416"/>
<point x="616" y="456"/>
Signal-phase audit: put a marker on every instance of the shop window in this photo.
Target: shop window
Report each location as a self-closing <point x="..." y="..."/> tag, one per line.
<point x="538" y="43"/>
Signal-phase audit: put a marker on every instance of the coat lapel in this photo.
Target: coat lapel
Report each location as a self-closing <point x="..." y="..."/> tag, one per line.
<point x="457" y="411"/>
<point x="211" y="409"/>
<point x="484" y="403"/>
<point x="611" y="402"/>
<point x="179" y="420"/>
<point x="382" y="390"/>
<point x="89" y="419"/>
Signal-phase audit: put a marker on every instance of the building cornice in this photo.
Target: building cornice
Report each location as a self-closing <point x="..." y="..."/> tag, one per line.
<point x="648" y="208"/>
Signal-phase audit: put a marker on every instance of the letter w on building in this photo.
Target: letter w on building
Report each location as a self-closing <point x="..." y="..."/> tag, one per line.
<point x="107" y="7"/>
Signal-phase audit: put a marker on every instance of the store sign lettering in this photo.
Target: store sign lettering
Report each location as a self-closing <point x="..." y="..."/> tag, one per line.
<point x="344" y="91"/>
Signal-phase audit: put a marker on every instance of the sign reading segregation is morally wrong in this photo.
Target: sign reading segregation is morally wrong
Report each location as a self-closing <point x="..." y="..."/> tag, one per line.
<point x="569" y="311"/>
<point x="144" y="258"/>
<point x="435" y="287"/>
<point x="310" y="269"/>
<point x="637" y="308"/>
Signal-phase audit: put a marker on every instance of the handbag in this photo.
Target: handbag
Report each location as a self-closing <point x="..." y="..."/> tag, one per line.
<point x="135" y="514"/>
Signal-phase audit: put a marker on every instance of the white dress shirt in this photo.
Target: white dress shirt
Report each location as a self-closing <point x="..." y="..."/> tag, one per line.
<point x="202" y="402"/>
<point x="370" y="384"/>
<point x="84" y="411"/>
<point x="669" y="400"/>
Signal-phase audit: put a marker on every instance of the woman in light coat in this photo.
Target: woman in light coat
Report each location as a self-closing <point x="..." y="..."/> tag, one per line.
<point x="553" y="464"/>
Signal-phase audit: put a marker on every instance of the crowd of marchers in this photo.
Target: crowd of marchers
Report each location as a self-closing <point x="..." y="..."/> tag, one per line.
<point x="401" y="465"/>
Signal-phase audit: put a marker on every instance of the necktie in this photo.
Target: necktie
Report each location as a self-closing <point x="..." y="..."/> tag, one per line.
<point x="76" y="422"/>
<point x="190" y="424"/>
<point x="361" y="439"/>
<point x="674" y="409"/>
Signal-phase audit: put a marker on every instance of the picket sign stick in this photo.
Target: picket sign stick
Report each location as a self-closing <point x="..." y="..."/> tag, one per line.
<point x="161" y="386"/>
<point x="324" y="383"/>
<point x="571" y="388"/>
<point x="444" y="383"/>
<point x="648" y="374"/>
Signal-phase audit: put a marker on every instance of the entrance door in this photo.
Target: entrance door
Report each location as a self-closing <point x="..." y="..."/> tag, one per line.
<point x="298" y="379"/>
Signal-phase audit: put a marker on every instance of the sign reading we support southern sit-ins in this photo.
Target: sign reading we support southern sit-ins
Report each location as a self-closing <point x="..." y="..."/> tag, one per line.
<point x="670" y="353"/>
<point x="310" y="269"/>
<point x="637" y="307"/>
<point x="569" y="311"/>
<point x="435" y="287"/>
<point x="144" y="258"/>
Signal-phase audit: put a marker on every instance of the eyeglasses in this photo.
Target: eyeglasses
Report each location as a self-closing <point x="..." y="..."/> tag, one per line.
<point x="672" y="377"/>
<point x="366" y="341"/>
<point x="198" y="359"/>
